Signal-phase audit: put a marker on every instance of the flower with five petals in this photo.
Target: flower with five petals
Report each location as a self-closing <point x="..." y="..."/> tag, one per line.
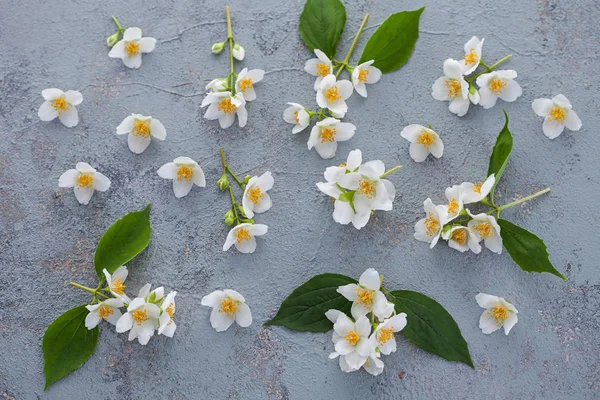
<point x="485" y="227"/>
<point x="141" y="318"/>
<point x="107" y="310"/>
<point x="452" y="87"/>
<point x="224" y="107"/>
<point x="245" y="81"/>
<point x="498" y="84"/>
<point x="384" y="333"/>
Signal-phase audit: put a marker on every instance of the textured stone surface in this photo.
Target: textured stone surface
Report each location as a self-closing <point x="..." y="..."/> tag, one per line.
<point x="47" y="238"/>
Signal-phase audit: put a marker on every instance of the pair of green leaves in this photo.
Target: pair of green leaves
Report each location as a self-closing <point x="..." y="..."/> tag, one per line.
<point x="67" y="343"/>
<point x="322" y="23"/>
<point x="525" y="248"/>
<point x="430" y="326"/>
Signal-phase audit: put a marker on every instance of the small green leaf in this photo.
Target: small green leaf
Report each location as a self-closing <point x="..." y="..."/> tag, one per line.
<point x="67" y="344"/>
<point x="526" y="249"/>
<point x="304" y="309"/>
<point x="321" y="25"/>
<point x="430" y="327"/>
<point x="347" y="197"/>
<point x="124" y="240"/>
<point x="394" y="41"/>
<point x="500" y="154"/>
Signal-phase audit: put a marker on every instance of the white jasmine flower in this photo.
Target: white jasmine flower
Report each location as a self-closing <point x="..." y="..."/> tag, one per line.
<point x="343" y="213"/>
<point x="474" y="96"/>
<point x="557" y="114"/>
<point x="217" y="85"/>
<point x="243" y="237"/>
<point x="363" y="74"/>
<point x="319" y="67"/>
<point x="62" y="105"/>
<point x="462" y="238"/>
<point x="454" y="195"/>
<point x="485" y="227"/>
<point x="185" y="173"/>
<point x="131" y="47"/>
<point x="367" y="296"/>
<point x="352" y="342"/>
<point x="84" y="180"/>
<point x="238" y="52"/>
<point x="475" y="192"/>
<point x="166" y="324"/>
<point x="224" y="107"/>
<point x="498" y="84"/>
<point x="498" y="313"/>
<point x="140" y="129"/>
<point x="116" y="282"/>
<point x="429" y="228"/>
<point x="256" y="199"/>
<point x="452" y="87"/>
<point x="423" y="141"/>
<point x="384" y="334"/>
<point x="227" y="306"/>
<point x="107" y="310"/>
<point x="326" y="134"/>
<point x="374" y="365"/>
<point x="246" y="80"/>
<point x="332" y="94"/>
<point x="472" y="57"/>
<point x="141" y="318"/>
<point x="297" y="115"/>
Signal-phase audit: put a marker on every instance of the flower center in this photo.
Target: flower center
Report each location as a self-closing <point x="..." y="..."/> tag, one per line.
<point x="245" y="83"/>
<point x="227" y="107"/>
<point x="557" y="114"/>
<point x="140" y="316"/>
<point x="470" y="57"/>
<point x="141" y="128"/>
<point x="170" y="312"/>
<point x="323" y="70"/>
<point x="496" y="86"/>
<point x="132" y="49"/>
<point x="85" y="180"/>
<point x="460" y="236"/>
<point x="185" y="172"/>
<point x="328" y="135"/>
<point x="432" y="225"/>
<point x="332" y="94"/>
<point x="60" y="104"/>
<point x="477" y="187"/>
<point x="118" y="286"/>
<point x="255" y="194"/>
<point x="105" y="311"/>
<point x="228" y="306"/>
<point x="352" y="338"/>
<point x="366" y="187"/>
<point x="365" y="297"/>
<point x="484" y="229"/>
<point x="362" y="75"/>
<point x="454" y="88"/>
<point x="499" y="313"/>
<point x="385" y="334"/>
<point x="426" y="139"/>
<point x="453" y="206"/>
<point x="242" y="234"/>
<point x="296" y="118"/>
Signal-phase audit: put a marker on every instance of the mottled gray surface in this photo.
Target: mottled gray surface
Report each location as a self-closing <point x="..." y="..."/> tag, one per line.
<point x="47" y="238"/>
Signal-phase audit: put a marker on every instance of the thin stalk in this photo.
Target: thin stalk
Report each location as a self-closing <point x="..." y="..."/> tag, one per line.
<point x="228" y="170"/>
<point x="234" y="205"/>
<point x="524" y="199"/>
<point x="119" y="27"/>
<point x="230" y="40"/>
<point x="386" y="173"/>
<point x="88" y="289"/>
<point x="344" y="64"/>
<point x="490" y="68"/>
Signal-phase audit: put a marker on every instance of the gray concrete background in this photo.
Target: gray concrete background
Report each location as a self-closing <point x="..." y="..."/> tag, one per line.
<point x="47" y="238"/>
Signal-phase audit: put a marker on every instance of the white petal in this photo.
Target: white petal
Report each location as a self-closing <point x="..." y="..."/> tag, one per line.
<point x="459" y="106"/>
<point x="511" y="91"/>
<point x="126" y="126"/>
<point x="213" y="299"/>
<point x="101" y="183"/>
<point x="198" y="176"/>
<point x="168" y="171"/>
<point x="542" y="106"/>
<point x="412" y="132"/>
<point x="246" y="246"/>
<point x="487" y="323"/>
<point x="354" y="160"/>
<point x="92" y="320"/>
<point x="552" y="129"/>
<point x="46" y="112"/>
<point x="52" y="94"/>
<point x="439" y="90"/>
<point x="68" y="178"/>
<point x="487" y="301"/>
<point x="243" y="316"/>
<point x="370" y="279"/>
<point x="418" y="152"/>
<point x="83" y="194"/>
<point x="118" y="50"/>
<point x="74" y="97"/>
<point x="157" y="129"/>
<point x="342" y="212"/>
<point x="135" y="61"/>
<point x="561" y="101"/>
<point x="349" y="291"/>
<point x="147" y="44"/>
<point x="182" y="187"/>
<point x="510" y="322"/>
<point x="69" y="118"/>
<point x="220" y="321"/>
<point x="572" y="121"/>
<point x="132" y="33"/>
<point x="137" y="144"/>
<point x="124" y="323"/>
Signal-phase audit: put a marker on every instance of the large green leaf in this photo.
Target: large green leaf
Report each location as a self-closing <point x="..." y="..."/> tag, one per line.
<point x="394" y="41"/>
<point x="124" y="240"/>
<point x="304" y="309"/>
<point x="321" y="25"/>
<point x="67" y="344"/>
<point x="500" y="154"/>
<point x="526" y="249"/>
<point x="430" y="326"/>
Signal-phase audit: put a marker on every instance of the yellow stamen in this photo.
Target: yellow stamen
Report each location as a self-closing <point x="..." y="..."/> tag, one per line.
<point x="460" y="236"/>
<point x="557" y="114"/>
<point x="245" y="84"/>
<point x="366" y="187"/>
<point x="454" y="88"/>
<point x="118" y="286"/>
<point x="227" y="107"/>
<point x="426" y="139"/>
<point x="132" y="49"/>
<point x="242" y="234"/>
<point x="362" y="75"/>
<point x="185" y="172"/>
<point x="432" y="225"/>
<point x="296" y="118"/>
<point x="85" y="180"/>
<point x="499" y="313"/>
<point x="453" y="206"/>
<point x="328" y="135"/>
<point x="141" y="128"/>
<point x="140" y="316"/>
<point x="170" y="311"/>
<point x="470" y="57"/>
<point x="477" y="187"/>
<point x="365" y="297"/>
<point x="323" y="70"/>
<point x="484" y="229"/>
<point x="255" y="194"/>
<point x="385" y="334"/>
<point x="352" y="338"/>
<point x="496" y="86"/>
<point x="332" y="94"/>
<point x="105" y="311"/>
<point x="60" y="104"/>
<point x="228" y="306"/>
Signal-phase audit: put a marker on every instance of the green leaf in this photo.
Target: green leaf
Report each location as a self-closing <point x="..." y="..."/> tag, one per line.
<point x="124" y="240"/>
<point x="526" y="249"/>
<point x="394" y="41"/>
<point x="500" y="154"/>
<point x="430" y="326"/>
<point x="321" y="25"/>
<point x="67" y="344"/>
<point x="304" y="309"/>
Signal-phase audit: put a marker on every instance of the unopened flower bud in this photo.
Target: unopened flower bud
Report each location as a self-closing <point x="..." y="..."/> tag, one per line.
<point x="112" y="39"/>
<point x="238" y="52"/>
<point x="229" y="218"/>
<point x="223" y="182"/>
<point x="217" y="48"/>
<point x="247" y="179"/>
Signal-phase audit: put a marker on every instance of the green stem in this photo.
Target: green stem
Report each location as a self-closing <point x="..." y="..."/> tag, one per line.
<point x="228" y="170"/>
<point x="119" y="27"/>
<point x="490" y="68"/>
<point x="88" y="289"/>
<point x="234" y="205"/>
<point x="390" y="171"/>
<point x="344" y="64"/>
<point x="230" y="40"/>
<point x="522" y="200"/>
